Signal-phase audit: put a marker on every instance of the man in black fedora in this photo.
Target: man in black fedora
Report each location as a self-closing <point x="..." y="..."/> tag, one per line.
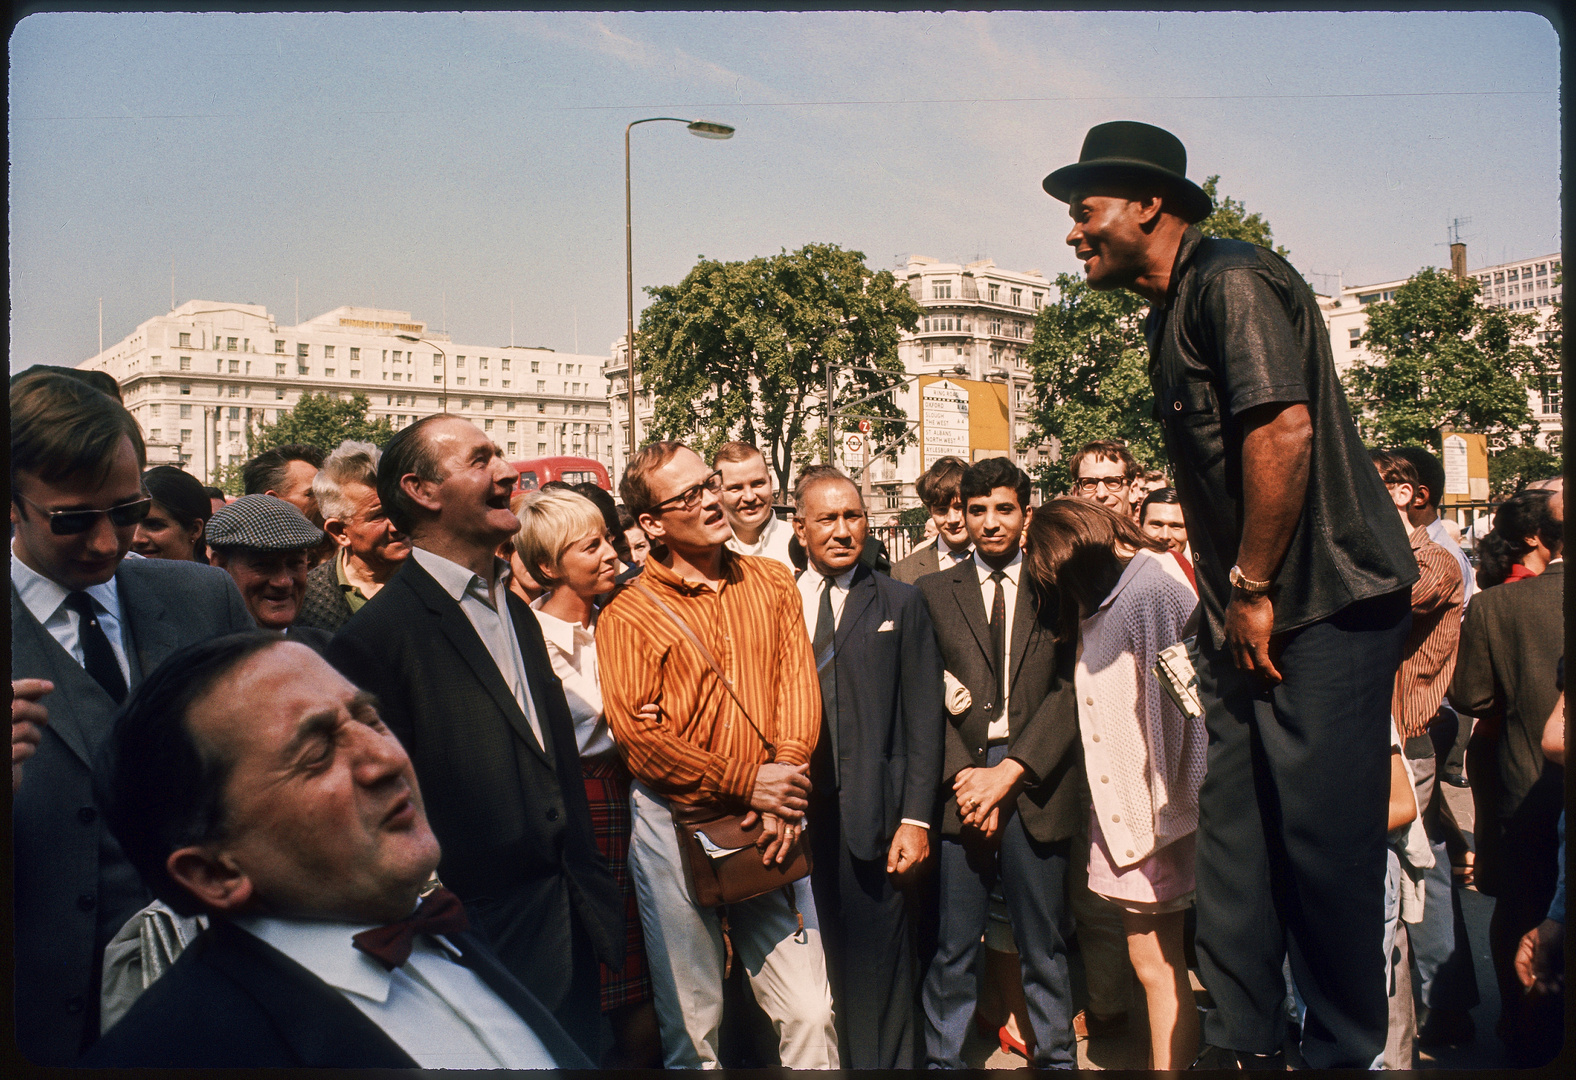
<point x="1304" y="576"/>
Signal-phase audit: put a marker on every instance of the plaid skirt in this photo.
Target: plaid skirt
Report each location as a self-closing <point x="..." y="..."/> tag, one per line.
<point x="607" y="790"/>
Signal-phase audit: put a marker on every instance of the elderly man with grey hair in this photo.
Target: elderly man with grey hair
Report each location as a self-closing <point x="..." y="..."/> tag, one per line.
<point x="370" y="548"/>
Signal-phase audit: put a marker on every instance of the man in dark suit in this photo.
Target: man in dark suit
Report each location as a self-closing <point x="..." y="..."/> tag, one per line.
<point x="466" y="683"/>
<point x="86" y="624"/>
<point x="250" y="781"/>
<point x="1015" y="768"/>
<point x="875" y="771"/>
<point x="938" y="490"/>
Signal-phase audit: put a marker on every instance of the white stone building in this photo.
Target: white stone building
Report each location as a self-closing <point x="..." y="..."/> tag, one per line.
<point x="1525" y="285"/>
<point x="203" y="376"/>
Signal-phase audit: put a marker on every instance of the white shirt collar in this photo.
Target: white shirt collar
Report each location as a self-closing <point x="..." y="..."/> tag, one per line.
<point x="842" y="581"/>
<point x="761" y="542"/>
<point x="561" y="632"/>
<point x="325" y="949"/>
<point x="1010" y="571"/>
<point x="43" y="596"/>
<point x="944" y="551"/>
<point x="457" y="580"/>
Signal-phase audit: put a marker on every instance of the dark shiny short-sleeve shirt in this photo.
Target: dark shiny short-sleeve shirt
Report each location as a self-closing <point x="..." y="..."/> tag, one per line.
<point x="1240" y="328"/>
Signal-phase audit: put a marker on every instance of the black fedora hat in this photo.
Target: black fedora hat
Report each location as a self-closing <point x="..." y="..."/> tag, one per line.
<point x="1129" y="150"/>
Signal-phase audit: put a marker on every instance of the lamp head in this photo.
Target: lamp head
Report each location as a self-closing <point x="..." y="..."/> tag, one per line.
<point x="708" y="130"/>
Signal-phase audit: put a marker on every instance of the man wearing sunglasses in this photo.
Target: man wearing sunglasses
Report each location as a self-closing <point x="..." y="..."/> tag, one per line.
<point x="86" y="625"/>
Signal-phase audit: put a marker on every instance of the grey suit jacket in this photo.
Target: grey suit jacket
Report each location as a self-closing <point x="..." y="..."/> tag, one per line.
<point x="73" y="887"/>
<point x="917" y="565"/>
<point x="1042" y="717"/>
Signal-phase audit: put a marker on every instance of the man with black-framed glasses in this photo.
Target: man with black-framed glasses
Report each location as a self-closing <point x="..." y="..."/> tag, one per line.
<point x="1104" y="470"/>
<point x="86" y="625"/>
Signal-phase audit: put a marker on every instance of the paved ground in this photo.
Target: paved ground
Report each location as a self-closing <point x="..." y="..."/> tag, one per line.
<point x="1130" y="1050"/>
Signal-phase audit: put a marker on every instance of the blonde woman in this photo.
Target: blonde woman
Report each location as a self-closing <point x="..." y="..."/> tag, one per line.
<point x="563" y="545"/>
<point x="1127" y="599"/>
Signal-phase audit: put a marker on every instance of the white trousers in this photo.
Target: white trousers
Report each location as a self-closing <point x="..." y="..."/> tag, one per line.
<point x="684" y="948"/>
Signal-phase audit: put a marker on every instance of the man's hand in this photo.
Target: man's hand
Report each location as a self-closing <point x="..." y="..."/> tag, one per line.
<point x="1540" y="958"/>
<point x="1249" y="621"/>
<point x="910" y="848"/>
<point x="980" y="791"/>
<point x="27" y="720"/>
<point x="778" y="838"/>
<point x="782" y="790"/>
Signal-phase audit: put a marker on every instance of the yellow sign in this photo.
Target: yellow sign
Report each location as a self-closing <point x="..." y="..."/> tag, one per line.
<point x="984" y="404"/>
<point x="403" y="327"/>
<point x="1465" y="457"/>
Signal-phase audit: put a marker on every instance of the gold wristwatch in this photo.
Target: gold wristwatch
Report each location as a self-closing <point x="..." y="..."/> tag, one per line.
<point x="1248" y="585"/>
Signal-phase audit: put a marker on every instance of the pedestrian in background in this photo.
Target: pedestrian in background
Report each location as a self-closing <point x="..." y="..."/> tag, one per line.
<point x="1515" y="548"/>
<point x="937" y="489"/>
<point x="262" y="542"/>
<point x="370" y="550"/>
<point x="747" y="503"/>
<point x="174" y="526"/>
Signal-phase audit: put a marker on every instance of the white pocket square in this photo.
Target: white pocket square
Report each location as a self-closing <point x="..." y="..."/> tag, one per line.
<point x="884" y="627"/>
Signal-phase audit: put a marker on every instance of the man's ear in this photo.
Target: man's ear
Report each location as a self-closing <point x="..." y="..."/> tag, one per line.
<point x="1148" y="207"/>
<point x="798" y="529"/>
<point x="652" y="524"/>
<point x="420" y="492"/>
<point x="336" y="528"/>
<point x="211" y="877"/>
<point x="1422" y="498"/>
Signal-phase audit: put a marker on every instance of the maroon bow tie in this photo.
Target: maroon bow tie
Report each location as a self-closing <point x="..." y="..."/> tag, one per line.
<point x="440" y="913"/>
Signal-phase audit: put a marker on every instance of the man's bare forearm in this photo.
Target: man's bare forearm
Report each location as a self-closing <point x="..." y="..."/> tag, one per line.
<point x="1277" y="447"/>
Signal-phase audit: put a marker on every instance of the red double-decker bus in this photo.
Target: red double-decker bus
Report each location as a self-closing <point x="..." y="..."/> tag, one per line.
<point x="571" y="470"/>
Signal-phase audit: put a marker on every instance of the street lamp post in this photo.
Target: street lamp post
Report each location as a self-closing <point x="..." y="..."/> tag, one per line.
<point x="1005" y="376"/>
<point x="424" y="341"/>
<point x="706" y="130"/>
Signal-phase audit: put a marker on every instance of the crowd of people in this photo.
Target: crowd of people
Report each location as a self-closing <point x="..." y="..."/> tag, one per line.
<point x="388" y="763"/>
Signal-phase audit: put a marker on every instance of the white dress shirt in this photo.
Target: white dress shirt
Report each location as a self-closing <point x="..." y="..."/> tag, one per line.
<point x="488" y="611"/>
<point x="46" y="599"/>
<point x="771" y="544"/>
<point x="437" y="1010"/>
<point x="998" y="730"/>
<point x="572" y="649"/>
<point x="948" y="557"/>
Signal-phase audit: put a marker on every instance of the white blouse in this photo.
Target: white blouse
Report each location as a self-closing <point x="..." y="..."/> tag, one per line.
<point x="572" y="649"/>
<point x="1144" y="759"/>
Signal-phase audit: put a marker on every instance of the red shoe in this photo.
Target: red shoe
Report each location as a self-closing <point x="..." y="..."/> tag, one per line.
<point x="1010" y="1044"/>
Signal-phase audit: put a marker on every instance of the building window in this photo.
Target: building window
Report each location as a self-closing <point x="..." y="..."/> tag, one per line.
<point x="156" y="435"/>
<point x="941" y="290"/>
<point x="541" y="406"/>
<point x="154" y="409"/>
<point x="995" y="326"/>
<point x="185" y="341"/>
<point x="482" y="363"/>
<point x="235" y="367"/>
<point x="279" y="393"/>
<point x="459" y="380"/>
<point x="480" y="382"/>
<point x="541" y="448"/>
<point x="512" y="450"/>
<point x="186" y="388"/>
<point x="186" y="363"/>
<point x="328" y="352"/>
<point x="541" y="386"/>
<point x="487" y="404"/>
<point x="1549" y="391"/>
<point x="302" y="369"/>
<point x="235" y="391"/>
<point x="328" y="373"/>
<point x="355" y="355"/>
<point x="186" y="434"/>
<point x="487" y="424"/>
<point x="459" y="361"/>
<point x="1353" y="338"/>
<point x="995" y="293"/>
<point x="235" y="412"/>
<point x="438" y="378"/>
<point x="355" y="373"/>
<point x="1017" y="298"/>
<point x="503" y="362"/>
<point x="540" y="427"/>
<point x="279" y="346"/>
<point x="1039" y="300"/>
<point x="230" y="344"/>
<point x="302" y="349"/>
<point x="536" y="365"/>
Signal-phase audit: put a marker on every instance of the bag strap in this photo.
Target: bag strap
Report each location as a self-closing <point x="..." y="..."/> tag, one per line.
<point x="705" y="653"/>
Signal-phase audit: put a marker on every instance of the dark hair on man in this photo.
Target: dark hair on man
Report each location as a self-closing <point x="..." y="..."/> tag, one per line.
<point x="179" y="492"/>
<point x="557" y="485"/>
<point x="603" y="500"/>
<point x="734" y="452"/>
<point x="406" y="453"/>
<point x="626" y="520"/>
<point x="984" y="477"/>
<point x="1104" y="450"/>
<point x="61" y="426"/>
<point x="1070" y="555"/>
<point x="267" y="471"/>
<point x="214" y="492"/>
<point x="635" y="486"/>
<point x="1395" y="468"/>
<point x="939" y="484"/>
<point x="814" y="475"/>
<point x="101" y="381"/>
<point x="1430" y="471"/>
<point x="1165" y="495"/>
<point x="162" y="786"/>
<point x="1519" y="518"/>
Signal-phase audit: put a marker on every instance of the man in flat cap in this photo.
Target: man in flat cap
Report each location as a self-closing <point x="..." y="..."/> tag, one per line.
<point x="1304" y="577"/>
<point x="263" y="543"/>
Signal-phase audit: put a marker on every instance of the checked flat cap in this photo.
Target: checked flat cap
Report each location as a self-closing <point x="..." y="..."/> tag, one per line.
<point x="262" y="523"/>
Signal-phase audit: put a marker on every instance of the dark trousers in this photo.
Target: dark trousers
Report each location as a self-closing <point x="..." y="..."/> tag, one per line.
<point x="580" y="1012"/>
<point x="870" y="959"/>
<point x="1291" y="837"/>
<point x="1033" y="877"/>
<point x="1446" y="978"/>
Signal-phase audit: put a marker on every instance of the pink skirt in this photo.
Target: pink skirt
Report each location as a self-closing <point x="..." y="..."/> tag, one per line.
<point x="1164" y="877"/>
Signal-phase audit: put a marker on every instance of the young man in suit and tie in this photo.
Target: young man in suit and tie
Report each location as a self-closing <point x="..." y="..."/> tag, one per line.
<point x="1013" y="772"/>
<point x="938" y="490"/>
<point x="460" y="666"/>
<point x="875" y="771"/>
<point x="250" y="781"/>
<point x="86" y="624"/>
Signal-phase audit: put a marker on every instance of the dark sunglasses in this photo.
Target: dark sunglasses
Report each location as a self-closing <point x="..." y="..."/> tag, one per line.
<point x="690" y="496"/>
<point x="72" y="522"/>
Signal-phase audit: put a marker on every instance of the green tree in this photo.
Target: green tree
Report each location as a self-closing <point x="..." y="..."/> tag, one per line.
<point x="1443" y="360"/>
<point x="1514" y="467"/>
<point x="1091" y="376"/>
<point x="1231" y="221"/>
<point x="320" y="420"/>
<point x="739" y="350"/>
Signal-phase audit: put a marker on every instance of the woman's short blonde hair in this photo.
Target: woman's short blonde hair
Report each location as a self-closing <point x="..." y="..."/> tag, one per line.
<point x="550" y="521"/>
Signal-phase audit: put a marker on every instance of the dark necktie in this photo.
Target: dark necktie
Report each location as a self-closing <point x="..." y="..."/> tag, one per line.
<point x="998" y="636"/>
<point x="440" y="913"/>
<point x="821" y="645"/>
<point x="97" y="656"/>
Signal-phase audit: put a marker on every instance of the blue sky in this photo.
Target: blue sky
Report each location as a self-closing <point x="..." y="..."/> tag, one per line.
<point x="448" y="163"/>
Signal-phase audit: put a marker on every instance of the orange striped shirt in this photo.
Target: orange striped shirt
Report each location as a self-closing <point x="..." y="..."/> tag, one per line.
<point x="701" y="746"/>
<point x="1428" y="659"/>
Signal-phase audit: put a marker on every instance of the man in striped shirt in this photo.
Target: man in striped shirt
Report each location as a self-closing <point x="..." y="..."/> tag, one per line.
<point x="703" y="748"/>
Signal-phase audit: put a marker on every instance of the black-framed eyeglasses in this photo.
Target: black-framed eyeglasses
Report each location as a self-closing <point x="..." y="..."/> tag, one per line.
<point x="1088" y="485"/>
<point x="689" y="498"/>
<point x="72" y="522"/>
